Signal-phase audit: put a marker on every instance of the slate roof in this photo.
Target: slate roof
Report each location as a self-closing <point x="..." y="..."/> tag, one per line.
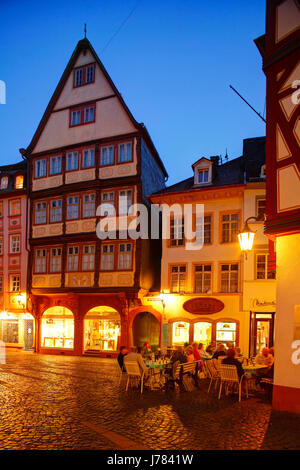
<point x="11" y="171"/>
<point x="239" y="170"/>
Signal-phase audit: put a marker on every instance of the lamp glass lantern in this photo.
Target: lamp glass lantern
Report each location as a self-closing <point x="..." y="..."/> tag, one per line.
<point x="246" y="238"/>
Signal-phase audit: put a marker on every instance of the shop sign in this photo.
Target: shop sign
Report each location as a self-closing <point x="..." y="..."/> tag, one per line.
<point x="203" y="306"/>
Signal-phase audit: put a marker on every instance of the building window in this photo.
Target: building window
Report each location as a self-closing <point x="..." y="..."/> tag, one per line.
<point x="57" y="329"/>
<point x="177" y="231"/>
<point x="125" y="152"/>
<point x="84" y="75"/>
<point x="125" y="256"/>
<point x="107" y="155"/>
<point x="88" y="258"/>
<point x="73" y="258"/>
<point x="262" y="271"/>
<point x="55" y="260"/>
<point x="202" y="280"/>
<point x="125" y="201"/>
<point x="88" y="159"/>
<point x="226" y="333"/>
<point x="107" y="257"/>
<point x="15" y="207"/>
<point x="263" y="171"/>
<point x="206" y="234"/>
<point x="15" y="241"/>
<point x="72" y="161"/>
<point x="73" y="207"/>
<point x="180" y="333"/>
<point x="40" y="168"/>
<point x="89" y="205"/>
<point x="83" y="115"/>
<point x="203" y="333"/>
<point x="4" y="182"/>
<point x="40" y="261"/>
<point x="230" y="227"/>
<point x="15" y="283"/>
<point x="178" y="279"/>
<point x="56" y="210"/>
<point x="203" y="176"/>
<point x="260" y="208"/>
<point x="19" y="182"/>
<point x="55" y="165"/>
<point x="40" y="213"/>
<point x="229" y="278"/>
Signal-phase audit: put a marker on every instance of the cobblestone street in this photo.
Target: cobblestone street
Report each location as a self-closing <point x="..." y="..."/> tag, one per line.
<point x="66" y="403"/>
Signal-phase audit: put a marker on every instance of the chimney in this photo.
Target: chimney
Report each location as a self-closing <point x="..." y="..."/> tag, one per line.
<point x="215" y="160"/>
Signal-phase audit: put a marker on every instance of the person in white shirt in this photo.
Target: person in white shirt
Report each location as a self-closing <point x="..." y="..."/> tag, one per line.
<point x="264" y="358"/>
<point x="135" y="356"/>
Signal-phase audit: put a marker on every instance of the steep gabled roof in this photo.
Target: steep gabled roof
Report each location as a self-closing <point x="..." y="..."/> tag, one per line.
<point x="82" y="45"/>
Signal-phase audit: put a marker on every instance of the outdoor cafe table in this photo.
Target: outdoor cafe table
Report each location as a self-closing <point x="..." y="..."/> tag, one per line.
<point x="156" y="369"/>
<point x="252" y="369"/>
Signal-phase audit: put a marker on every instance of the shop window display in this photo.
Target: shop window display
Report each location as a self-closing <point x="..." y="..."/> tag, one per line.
<point x="58" y="328"/>
<point x="226" y="332"/>
<point x="203" y="333"/>
<point x="181" y="332"/>
<point x="102" y="329"/>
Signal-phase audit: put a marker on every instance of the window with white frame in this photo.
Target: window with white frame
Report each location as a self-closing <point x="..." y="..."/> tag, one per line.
<point x="76" y="117"/>
<point x="125" y="256"/>
<point x="15" y="243"/>
<point x="204" y="229"/>
<point x="72" y="161"/>
<point x="40" y="168"/>
<point x="178" y="279"/>
<point x="88" y="158"/>
<point x="229" y="278"/>
<point x="55" y="260"/>
<point x="15" y="283"/>
<point x="40" y="213"/>
<point x="107" y="257"/>
<point x="230" y="227"/>
<point x="262" y="269"/>
<point x="19" y="182"/>
<point x="73" y="207"/>
<point x="89" y="114"/>
<point x="203" y="175"/>
<point x="202" y="278"/>
<point x="56" y="210"/>
<point x="125" y="201"/>
<point x="107" y="155"/>
<point x="177" y="231"/>
<point x="78" y="77"/>
<point x="40" y="261"/>
<point x="125" y="152"/>
<point x="73" y="258"/>
<point x="261" y="207"/>
<point x="89" y="205"/>
<point x="55" y="165"/>
<point x="88" y="258"/>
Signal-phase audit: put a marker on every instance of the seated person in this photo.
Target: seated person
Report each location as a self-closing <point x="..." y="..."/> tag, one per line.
<point x="201" y="351"/>
<point x="211" y="348"/>
<point x="231" y="360"/>
<point x="196" y="352"/>
<point x="123" y="352"/>
<point x="239" y="355"/>
<point x="135" y="356"/>
<point x="189" y="354"/>
<point x="146" y="350"/>
<point x="264" y="358"/>
<point x="179" y="355"/>
<point x="220" y="351"/>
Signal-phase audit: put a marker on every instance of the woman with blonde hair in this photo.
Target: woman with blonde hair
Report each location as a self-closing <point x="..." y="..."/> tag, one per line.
<point x="189" y="354"/>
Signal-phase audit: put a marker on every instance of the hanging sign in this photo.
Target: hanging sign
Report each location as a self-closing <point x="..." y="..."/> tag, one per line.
<point x="203" y="305"/>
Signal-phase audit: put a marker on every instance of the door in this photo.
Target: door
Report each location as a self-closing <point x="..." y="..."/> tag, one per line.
<point x="28" y="335"/>
<point x="146" y="328"/>
<point x="261" y="332"/>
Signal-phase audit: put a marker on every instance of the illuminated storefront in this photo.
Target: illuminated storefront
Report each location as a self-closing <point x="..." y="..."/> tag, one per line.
<point x="180" y="333"/>
<point x="102" y="329"/>
<point x="57" y="328"/>
<point x="226" y="332"/>
<point x="203" y="333"/>
<point x="17" y="329"/>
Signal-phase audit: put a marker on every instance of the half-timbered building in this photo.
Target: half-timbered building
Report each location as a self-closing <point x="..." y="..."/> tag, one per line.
<point x="88" y="150"/>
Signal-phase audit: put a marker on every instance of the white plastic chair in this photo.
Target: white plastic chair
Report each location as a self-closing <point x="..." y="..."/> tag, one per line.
<point x="229" y="375"/>
<point x="134" y="372"/>
<point x="213" y="373"/>
<point x="119" y="373"/>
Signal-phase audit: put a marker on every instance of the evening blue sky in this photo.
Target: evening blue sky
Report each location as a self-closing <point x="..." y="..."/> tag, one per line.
<point x="172" y="61"/>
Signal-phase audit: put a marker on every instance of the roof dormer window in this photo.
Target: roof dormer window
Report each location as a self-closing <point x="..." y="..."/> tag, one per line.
<point x="203" y="175"/>
<point x="19" y="182"/>
<point x="4" y="182"/>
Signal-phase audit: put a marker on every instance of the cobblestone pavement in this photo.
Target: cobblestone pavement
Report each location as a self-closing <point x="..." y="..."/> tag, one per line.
<point x="67" y="403"/>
